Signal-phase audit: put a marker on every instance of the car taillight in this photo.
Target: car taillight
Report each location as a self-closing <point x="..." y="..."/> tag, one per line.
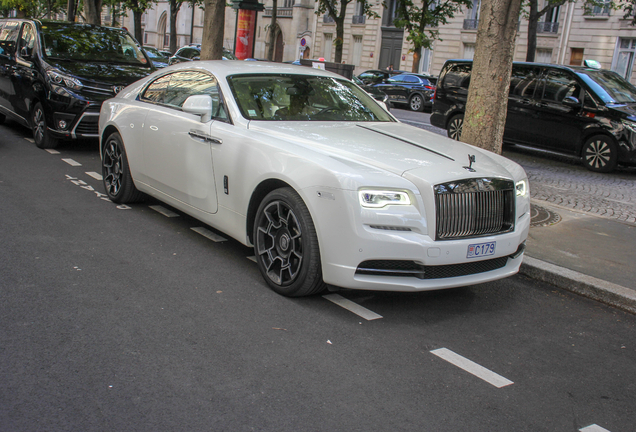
<point x="430" y="87"/>
<point x="435" y="93"/>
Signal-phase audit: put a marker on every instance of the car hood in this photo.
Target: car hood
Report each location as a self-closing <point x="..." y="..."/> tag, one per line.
<point x="394" y="147"/>
<point x="627" y="110"/>
<point x="107" y="73"/>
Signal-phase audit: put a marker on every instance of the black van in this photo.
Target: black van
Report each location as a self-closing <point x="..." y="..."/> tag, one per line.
<point x="54" y="75"/>
<point x="581" y="111"/>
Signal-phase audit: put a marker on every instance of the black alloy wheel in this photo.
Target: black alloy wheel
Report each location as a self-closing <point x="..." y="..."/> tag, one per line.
<point x="455" y="127"/>
<point x="286" y="245"/>
<point x="416" y="103"/>
<point x="600" y="154"/>
<point x="41" y="134"/>
<point x="116" y="173"/>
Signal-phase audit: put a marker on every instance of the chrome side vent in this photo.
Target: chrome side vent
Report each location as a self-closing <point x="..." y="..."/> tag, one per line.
<point x="474" y="208"/>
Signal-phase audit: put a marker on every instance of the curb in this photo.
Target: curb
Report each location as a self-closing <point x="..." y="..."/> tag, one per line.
<point x="587" y="286"/>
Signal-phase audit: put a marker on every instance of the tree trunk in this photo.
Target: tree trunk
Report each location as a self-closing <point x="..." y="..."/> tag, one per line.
<point x="174" y="11"/>
<point x="138" y="30"/>
<point x="339" y="39"/>
<point x="272" y="32"/>
<point x="93" y="10"/>
<point x="487" y="103"/>
<point x="416" y="59"/>
<point x="214" y="23"/>
<point x="533" y="19"/>
<point x="71" y="10"/>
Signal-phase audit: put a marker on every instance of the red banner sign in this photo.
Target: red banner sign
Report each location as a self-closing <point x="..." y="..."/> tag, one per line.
<point x="245" y="33"/>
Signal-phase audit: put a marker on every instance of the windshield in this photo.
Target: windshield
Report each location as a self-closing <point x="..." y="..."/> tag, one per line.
<point x="88" y="43"/>
<point x="610" y="86"/>
<point x="303" y="98"/>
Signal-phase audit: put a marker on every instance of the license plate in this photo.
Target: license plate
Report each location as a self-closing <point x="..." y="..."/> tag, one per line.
<point x="481" y="249"/>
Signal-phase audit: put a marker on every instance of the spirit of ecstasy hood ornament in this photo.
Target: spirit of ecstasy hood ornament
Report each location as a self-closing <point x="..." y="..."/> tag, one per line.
<point x="471" y="160"/>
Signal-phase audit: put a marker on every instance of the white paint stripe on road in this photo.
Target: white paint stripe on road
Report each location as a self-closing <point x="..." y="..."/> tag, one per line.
<point x="593" y="428"/>
<point x="96" y="176"/>
<point x="51" y="151"/>
<point x="72" y="162"/>
<point x="352" y="307"/>
<point x="164" y="211"/>
<point x="209" y="234"/>
<point x="31" y="140"/>
<point x="252" y="258"/>
<point x="472" y="367"/>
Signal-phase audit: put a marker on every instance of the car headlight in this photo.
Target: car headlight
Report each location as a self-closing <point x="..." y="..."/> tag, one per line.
<point x="59" y="79"/>
<point x="521" y="187"/>
<point x="373" y="198"/>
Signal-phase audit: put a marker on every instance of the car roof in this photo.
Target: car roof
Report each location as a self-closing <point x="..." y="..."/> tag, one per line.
<point x="534" y="64"/>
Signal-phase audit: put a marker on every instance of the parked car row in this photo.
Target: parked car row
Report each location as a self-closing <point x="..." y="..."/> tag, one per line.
<point x="414" y="91"/>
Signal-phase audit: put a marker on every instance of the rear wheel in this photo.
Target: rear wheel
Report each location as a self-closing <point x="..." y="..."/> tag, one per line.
<point x="116" y="173"/>
<point x="41" y="134"/>
<point x="455" y="125"/>
<point x="600" y="154"/>
<point x="286" y="245"/>
<point x="416" y="103"/>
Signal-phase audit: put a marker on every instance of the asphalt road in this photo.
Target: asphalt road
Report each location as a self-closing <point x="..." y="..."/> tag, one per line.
<point x="118" y="318"/>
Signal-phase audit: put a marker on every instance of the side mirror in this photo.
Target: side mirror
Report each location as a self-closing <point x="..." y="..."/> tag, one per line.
<point x="571" y="102"/>
<point x="25" y="53"/>
<point x="199" y="105"/>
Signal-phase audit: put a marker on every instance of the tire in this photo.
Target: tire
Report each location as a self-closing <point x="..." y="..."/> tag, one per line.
<point x="416" y="103"/>
<point x="454" y="128"/>
<point x="41" y="134"/>
<point x="286" y="245"/>
<point x="118" y="182"/>
<point x="600" y="154"/>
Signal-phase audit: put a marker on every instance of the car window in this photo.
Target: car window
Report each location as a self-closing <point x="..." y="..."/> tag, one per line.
<point x="609" y="86"/>
<point x="173" y="89"/>
<point x="9" y="37"/>
<point x="27" y="40"/>
<point x="302" y="97"/>
<point x="560" y="84"/>
<point x="523" y="82"/>
<point x="457" y="77"/>
<point x="396" y="79"/>
<point x="411" y="79"/>
<point x="189" y="52"/>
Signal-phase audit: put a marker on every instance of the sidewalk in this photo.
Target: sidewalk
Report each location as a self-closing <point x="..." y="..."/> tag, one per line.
<point x="588" y="255"/>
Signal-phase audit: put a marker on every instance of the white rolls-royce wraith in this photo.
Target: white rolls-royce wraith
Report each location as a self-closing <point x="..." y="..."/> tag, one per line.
<point x="324" y="183"/>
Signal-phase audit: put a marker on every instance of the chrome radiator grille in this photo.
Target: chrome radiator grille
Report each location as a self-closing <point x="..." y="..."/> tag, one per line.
<point x="474" y="207"/>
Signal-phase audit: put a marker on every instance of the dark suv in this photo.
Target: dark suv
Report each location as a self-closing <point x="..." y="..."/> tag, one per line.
<point x="55" y="75"/>
<point x="586" y="112"/>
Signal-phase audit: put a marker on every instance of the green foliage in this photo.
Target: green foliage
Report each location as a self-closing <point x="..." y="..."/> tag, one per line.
<point x="33" y="8"/>
<point x="421" y="19"/>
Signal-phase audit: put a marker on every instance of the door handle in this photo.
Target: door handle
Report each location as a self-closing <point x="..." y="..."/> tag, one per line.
<point x="204" y="137"/>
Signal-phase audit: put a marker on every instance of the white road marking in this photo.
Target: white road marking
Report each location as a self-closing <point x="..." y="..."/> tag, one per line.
<point x="51" y="151"/>
<point x="164" y="211"/>
<point x="96" y="176"/>
<point x="252" y="258"/>
<point x="209" y="234"/>
<point x="472" y="367"/>
<point x="31" y="140"/>
<point x="593" y="428"/>
<point x="352" y="307"/>
<point x="72" y="162"/>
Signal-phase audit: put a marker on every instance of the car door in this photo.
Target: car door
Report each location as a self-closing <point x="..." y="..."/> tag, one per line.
<point x="560" y="126"/>
<point x="522" y="120"/>
<point x="395" y="90"/>
<point x="177" y="145"/>
<point x="8" y="39"/>
<point x="25" y="72"/>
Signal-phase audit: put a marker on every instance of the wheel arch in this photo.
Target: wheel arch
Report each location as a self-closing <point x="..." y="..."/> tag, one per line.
<point x="592" y="133"/>
<point x="105" y="134"/>
<point x="261" y="190"/>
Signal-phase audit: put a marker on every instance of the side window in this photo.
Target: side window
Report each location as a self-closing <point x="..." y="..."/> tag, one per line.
<point x="523" y="82"/>
<point x="411" y="80"/>
<point x="156" y="91"/>
<point x="9" y="37"/>
<point x="27" y="40"/>
<point x="560" y="84"/>
<point x="458" y="77"/>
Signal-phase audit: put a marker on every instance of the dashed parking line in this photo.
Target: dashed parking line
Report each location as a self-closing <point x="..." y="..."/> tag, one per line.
<point x="593" y="428"/>
<point x="96" y="176"/>
<point x="209" y="234"/>
<point x="164" y="211"/>
<point x="352" y="307"/>
<point x="31" y="140"/>
<point x="472" y="367"/>
<point x="51" y="151"/>
<point x="72" y="162"/>
<point x="252" y="258"/>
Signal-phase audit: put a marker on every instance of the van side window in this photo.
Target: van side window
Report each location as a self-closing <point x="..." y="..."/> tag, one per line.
<point x="9" y="37"/>
<point x="523" y="82"/>
<point x="458" y="77"/>
<point x="27" y="40"/>
<point x="560" y="84"/>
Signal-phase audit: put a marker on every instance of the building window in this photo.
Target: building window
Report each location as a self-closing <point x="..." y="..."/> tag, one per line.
<point x="326" y="49"/>
<point x="623" y="60"/>
<point x="145" y="38"/>
<point x="576" y="57"/>
<point x="358" y="14"/>
<point x="544" y="55"/>
<point x="551" y="22"/>
<point x="472" y="16"/>
<point x="357" y="50"/>
<point x="469" y="51"/>
<point x="603" y="9"/>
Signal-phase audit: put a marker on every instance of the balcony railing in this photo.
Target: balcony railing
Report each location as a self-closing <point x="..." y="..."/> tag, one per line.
<point x="548" y="27"/>
<point x="328" y="19"/>
<point x="358" y="19"/>
<point x="470" y="24"/>
<point x="280" y="12"/>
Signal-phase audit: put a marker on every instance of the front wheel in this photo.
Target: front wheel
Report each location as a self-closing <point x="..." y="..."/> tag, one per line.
<point x="116" y="173"/>
<point x="41" y="134"/>
<point x="286" y="245"/>
<point x="454" y="128"/>
<point x="416" y="103"/>
<point x="600" y="154"/>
